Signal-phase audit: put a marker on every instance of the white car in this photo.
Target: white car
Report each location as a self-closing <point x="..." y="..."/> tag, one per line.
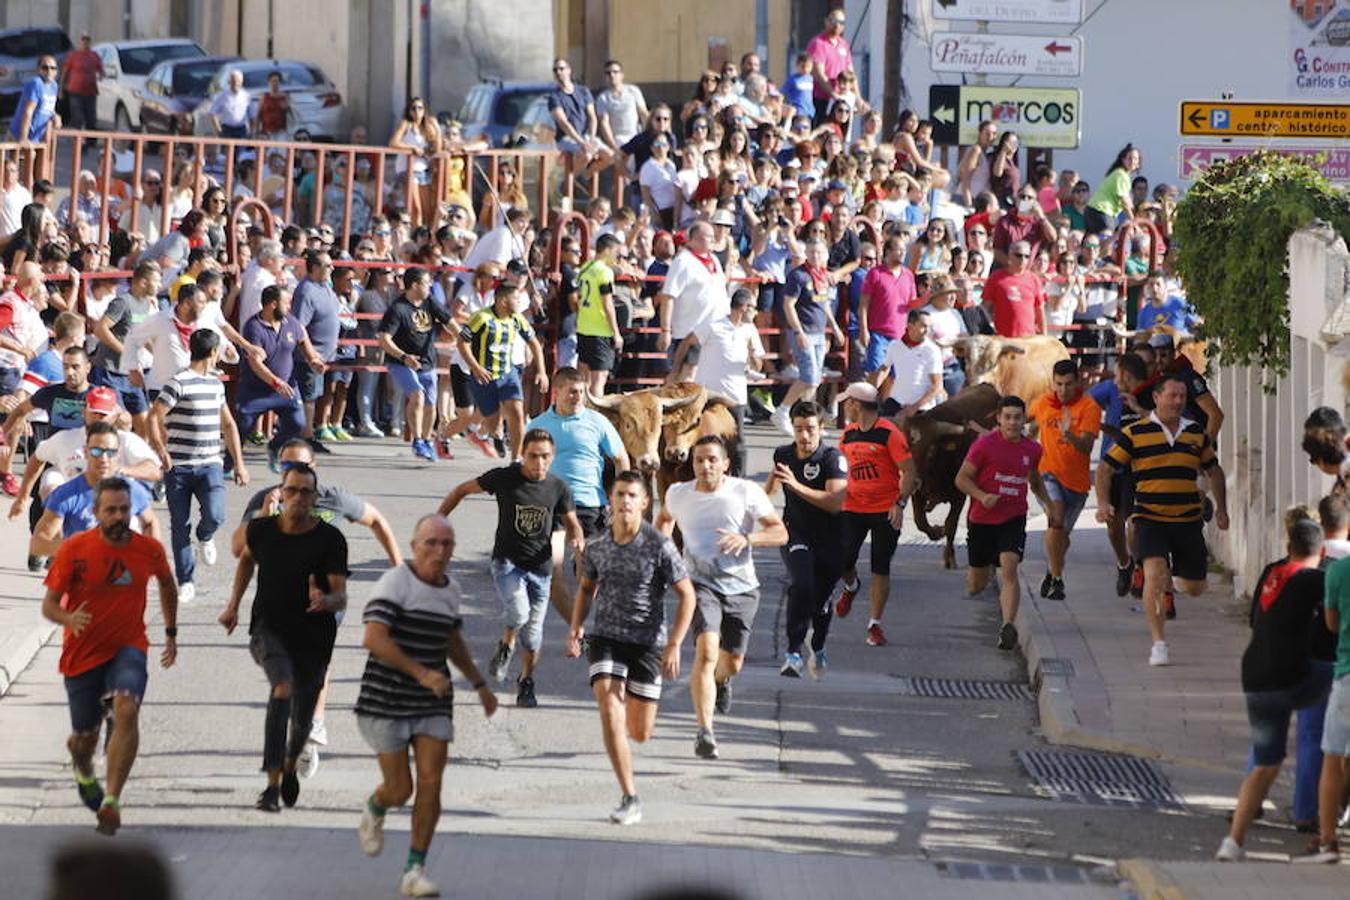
<point x="125" y="67"/>
<point x="317" y="112"/>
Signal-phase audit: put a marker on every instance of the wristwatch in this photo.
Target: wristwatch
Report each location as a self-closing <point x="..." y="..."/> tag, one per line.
<point x="171" y="631"/>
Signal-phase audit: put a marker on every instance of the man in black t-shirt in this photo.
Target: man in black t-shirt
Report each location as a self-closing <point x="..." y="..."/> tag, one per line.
<point x="302" y="585"/>
<point x="407" y="335"/>
<point x="529" y="500"/>
<point x="814" y="477"/>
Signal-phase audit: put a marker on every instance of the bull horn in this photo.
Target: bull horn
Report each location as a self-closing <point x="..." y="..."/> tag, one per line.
<point x="1012" y="348"/>
<point x="948" y="429"/>
<point x="604" y="402"/>
<point x="670" y="404"/>
<point x="716" y="399"/>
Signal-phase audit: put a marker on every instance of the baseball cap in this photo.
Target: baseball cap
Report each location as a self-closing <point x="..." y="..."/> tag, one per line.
<point x="834" y="184"/>
<point x="1161" y="340"/>
<point x="101" y="400"/>
<point x="860" y="391"/>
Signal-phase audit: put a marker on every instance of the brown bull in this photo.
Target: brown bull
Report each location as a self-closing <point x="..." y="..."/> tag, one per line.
<point x="1018" y="366"/>
<point x="714" y="419"/>
<point x="640" y="416"/>
<point x="938" y="440"/>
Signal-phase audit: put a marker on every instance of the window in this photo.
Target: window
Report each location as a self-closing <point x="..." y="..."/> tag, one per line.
<point x="292" y="75"/>
<point x="38" y="42"/>
<point x="511" y="107"/>
<point x="194" y="79"/>
<point x="140" y="60"/>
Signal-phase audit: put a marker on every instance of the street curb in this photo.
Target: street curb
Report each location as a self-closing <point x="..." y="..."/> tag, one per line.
<point x="18" y="650"/>
<point x="1148" y="882"/>
<point x="23" y="630"/>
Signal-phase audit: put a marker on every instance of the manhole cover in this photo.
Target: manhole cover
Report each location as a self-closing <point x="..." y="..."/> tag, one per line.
<point x="951" y="688"/>
<point x="1054" y="665"/>
<point x="1100" y="778"/>
<point x="973" y="871"/>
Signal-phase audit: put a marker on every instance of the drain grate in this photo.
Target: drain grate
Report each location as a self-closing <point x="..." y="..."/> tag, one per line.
<point x="1100" y="778"/>
<point x="973" y="871"/>
<point x="1056" y="665"/>
<point x="951" y="688"/>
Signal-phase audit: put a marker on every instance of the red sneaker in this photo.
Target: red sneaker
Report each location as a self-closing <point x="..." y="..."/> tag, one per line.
<point x="483" y="444"/>
<point x="1137" y="581"/>
<point x="443" y="449"/>
<point x="875" y="636"/>
<point x="1170" y="605"/>
<point x="10" y="484"/>
<point x="845" y="602"/>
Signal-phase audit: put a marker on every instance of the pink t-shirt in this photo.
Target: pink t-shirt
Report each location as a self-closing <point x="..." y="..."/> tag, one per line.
<point x="891" y="297"/>
<point x="1002" y="467"/>
<point x="833" y="58"/>
<point x="1048" y="198"/>
<point x="1015" y="299"/>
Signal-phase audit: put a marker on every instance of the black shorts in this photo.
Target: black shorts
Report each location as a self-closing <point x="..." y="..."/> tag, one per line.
<point x="730" y="615"/>
<point x="638" y="666"/>
<point x="856" y="526"/>
<point x="1181" y="544"/>
<point x="596" y="353"/>
<point x="986" y="543"/>
<point x="1122" y="492"/>
<point x="593" y="519"/>
<point x="459" y="386"/>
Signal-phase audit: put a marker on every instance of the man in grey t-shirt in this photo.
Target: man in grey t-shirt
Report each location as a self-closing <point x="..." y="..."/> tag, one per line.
<point x="621" y="108"/>
<point x="626" y="570"/>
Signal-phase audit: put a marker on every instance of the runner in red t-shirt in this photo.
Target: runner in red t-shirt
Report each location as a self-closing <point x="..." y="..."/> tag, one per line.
<point x="96" y="589"/>
<point x="998" y="469"/>
<point x="1016" y="295"/>
<point x="881" y="477"/>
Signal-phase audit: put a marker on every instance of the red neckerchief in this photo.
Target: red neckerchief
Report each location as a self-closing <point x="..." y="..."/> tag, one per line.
<point x="709" y="261"/>
<point x="1279" y="576"/>
<point x="908" y="342"/>
<point x="184" y="332"/>
<point x="196" y="242"/>
<point x="820" y="279"/>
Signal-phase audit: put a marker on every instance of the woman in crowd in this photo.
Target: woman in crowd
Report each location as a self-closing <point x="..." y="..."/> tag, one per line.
<point x="932" y="253"/>
<point x="1112" y="203"/>
<point x="419" y="134"/>
<point x="509" y="195"/>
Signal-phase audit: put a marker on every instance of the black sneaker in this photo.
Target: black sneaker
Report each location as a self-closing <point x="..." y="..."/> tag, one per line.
<point x="1007" y="636"/>
<point x="1170" y="605"/>
<point x="723" y="701"/>
<point x="34" y="563"/>
<point x="1123" y="576"/>
<point x="319" y="447"/>
<point x="501" y="661"/>
<point x="525" y="693"/>
<point x="1056" y="589"/>
<point x="290" y="788"/>
<point x="500" y="445"/>
<point x="270" y="799"/>
<point x="1047" y="585"/>
<point x="705" y="745"/>
<point x="91" y="794"/>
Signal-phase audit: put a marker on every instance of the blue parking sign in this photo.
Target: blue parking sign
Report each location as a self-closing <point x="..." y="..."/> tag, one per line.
<point x="1218" y="118"/>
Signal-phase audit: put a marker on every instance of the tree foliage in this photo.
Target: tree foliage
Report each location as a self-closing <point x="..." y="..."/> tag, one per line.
<point x="1232" y="233"/>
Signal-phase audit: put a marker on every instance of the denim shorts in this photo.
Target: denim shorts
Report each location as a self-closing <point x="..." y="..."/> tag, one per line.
<point x="408" y="382"/>
<point x="811" y="361"/>
<point x="87" y="693"/>
<point x="1073" y="501"/>
<point x="877" y="346"/>
<point x="309" y="382"/>
<point x="129" y="396"/>
<point x="394" y="735"/>
<point x="1268" y="713"/>
<point x="1336" y="728"/>
<point x="524" y="598"/>
<point x="490" y="397"/>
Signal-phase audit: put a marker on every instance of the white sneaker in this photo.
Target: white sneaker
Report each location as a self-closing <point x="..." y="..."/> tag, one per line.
<point x="1158" y="655"/>
<point x="415" y="883"/>
<point x="187" y="592"/>
<point x="307" y="765"/>
<point x="1230" y="851"/>
<point x="207" y="551"/>
<point x="371" y="831"/>
<point x="781" y="421"/>
<point x="318" y="733"/>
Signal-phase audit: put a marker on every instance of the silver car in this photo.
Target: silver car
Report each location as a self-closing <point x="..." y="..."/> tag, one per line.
<point x="317" y="111"/>
<point x="125" y="67"/>
<point x="20" y="50"/>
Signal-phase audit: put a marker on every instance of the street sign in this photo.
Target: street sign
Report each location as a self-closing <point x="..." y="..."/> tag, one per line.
<point x="1193" y="159"/>
<point x="1227" y="118"/>
<point x="1050" y="12"/>
<point x="1041" y="117"/>
<point x="1006" y="54"/>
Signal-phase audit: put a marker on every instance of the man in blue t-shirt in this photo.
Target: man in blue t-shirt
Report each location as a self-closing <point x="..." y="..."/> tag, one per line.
<point x="573" y="111"/>
<point x="37" y="105"/>
<point x="582" y="440"/>
<point x="1163" y="309"/>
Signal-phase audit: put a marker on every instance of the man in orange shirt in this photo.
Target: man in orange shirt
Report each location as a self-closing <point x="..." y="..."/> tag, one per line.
<point x="1067" y="421"/>
<point x="79" y="76"/>
<point x="881" y="477"/>
<point x="96" y="589"/>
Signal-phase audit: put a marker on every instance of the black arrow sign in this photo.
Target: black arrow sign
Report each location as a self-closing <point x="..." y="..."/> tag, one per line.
<point x="948" y="4"/>
<point x="1196" y="118"/>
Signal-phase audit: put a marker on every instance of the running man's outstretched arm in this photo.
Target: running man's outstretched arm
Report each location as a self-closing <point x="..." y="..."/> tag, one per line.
<point x="581" y="606"/>
<point x="458" y="653"/>
<point x="243" y="574"/>
<point x="453" y="498"/>
<point x="373" y="519"/>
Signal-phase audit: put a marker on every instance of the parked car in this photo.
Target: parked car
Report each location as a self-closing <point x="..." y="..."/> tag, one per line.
<point x="536" y="130"/>
<point x="493" y="109"/>
<point x="174" y="90"/>
<point x="317" y="112"/>
<point x="126" y="66"/>
<point x="20" y="50"/>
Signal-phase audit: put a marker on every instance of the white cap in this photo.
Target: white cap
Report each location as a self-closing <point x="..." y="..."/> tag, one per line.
<point x="860" y="391"/>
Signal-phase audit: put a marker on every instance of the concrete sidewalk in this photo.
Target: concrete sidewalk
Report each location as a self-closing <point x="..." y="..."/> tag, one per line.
<point x="22" y="629"/>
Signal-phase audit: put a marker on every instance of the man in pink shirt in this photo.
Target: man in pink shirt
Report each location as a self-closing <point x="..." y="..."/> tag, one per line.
<point x="998" y="469"/>
<point x="1016" y="295"/>
<point x="79" y="77"/>
<point x="830" y="55"/>
<point x="888" y="293"/>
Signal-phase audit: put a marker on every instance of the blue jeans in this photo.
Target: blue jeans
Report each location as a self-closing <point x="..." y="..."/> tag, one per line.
<point x="290" y="415"/>
<point x="1308" y="754"/>
<point x="366" y="382"/>
<point x="524" y="598"/>
<point x="86" y="693"/>
<point x="181" y="484"/>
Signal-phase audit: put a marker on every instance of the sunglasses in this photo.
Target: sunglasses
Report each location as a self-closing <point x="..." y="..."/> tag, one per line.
<point x="1021" y="256"/>
<point x="869" y="259"/>
<point x="384" y="232"/>
<point x="287" y="465"/>
<point x="100" y="452"/>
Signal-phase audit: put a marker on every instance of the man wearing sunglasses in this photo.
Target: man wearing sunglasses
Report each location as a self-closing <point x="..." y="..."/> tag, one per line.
<point x="1016" y="296"/>
<point x="36" y="110"/>
<point x="621" y="108"/>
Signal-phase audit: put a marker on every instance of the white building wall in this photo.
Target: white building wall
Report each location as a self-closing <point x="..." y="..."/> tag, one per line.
<point x="1141" y="58"/>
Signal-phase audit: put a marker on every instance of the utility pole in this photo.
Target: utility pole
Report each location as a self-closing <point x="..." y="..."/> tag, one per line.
<point x="890" y="96"/>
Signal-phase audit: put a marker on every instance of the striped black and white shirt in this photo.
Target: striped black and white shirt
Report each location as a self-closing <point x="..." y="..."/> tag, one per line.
<point x="420" y="618"/>
<point x="192" y="423"/>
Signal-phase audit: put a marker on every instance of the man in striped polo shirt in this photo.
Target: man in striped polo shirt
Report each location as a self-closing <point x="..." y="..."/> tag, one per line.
<point x="406" y="699"/>
<point x="1164" y="454"/>
<point x="190" y="420"/>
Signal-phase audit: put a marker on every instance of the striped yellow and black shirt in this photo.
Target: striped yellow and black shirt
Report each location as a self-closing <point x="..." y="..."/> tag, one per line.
<point x="1164" y="471"/>
<point x="491" y="338"/>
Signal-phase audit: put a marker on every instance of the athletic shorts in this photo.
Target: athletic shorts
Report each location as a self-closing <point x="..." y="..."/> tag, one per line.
<point x="90" y="693"/>
<point x="856" y="526"/>
<point x="593" y="519"/>
<point x="1122" y="492"/>
<point x="1180" y="544"/>
<point x="490" y="397"/>
<point x="459" y="387"/>
<point x="1073" y="500"/>
<point x="130" y="397"/>
<point x="422" y="381"/>
<point x="986" y="543"/>
<point x="638" y="666"/>
<point x="877" y="345"/>
<point x="394" y="735"/>
<point x="596" y="353"/>
<point x="730" y="615"/>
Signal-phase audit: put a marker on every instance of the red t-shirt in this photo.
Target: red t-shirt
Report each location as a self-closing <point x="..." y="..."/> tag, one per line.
<point x="1002" y="467"/>
<point x="1012" y="228"/>
<point x="112" y="581"/>
<point x="874" y="457"/>
<point x="272" y="110"/>
<point x="1015" y="299"/>
<point x="82" y="70"/>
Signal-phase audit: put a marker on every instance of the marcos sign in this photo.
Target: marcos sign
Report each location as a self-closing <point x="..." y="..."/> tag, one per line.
<point x="1041" y="117"/>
